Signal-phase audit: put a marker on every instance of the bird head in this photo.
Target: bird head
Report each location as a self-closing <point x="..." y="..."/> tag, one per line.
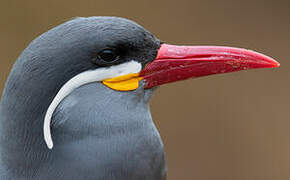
<point x="121" y="56"/>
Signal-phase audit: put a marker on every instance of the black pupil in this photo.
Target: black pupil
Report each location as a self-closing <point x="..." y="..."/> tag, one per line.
<point x="108" y="55"/>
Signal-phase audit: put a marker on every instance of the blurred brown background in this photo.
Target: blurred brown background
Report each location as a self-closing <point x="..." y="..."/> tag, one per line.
<point x="225" y="127"/>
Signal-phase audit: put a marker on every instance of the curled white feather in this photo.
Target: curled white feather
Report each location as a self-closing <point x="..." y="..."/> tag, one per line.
<point x="83" y="78"/>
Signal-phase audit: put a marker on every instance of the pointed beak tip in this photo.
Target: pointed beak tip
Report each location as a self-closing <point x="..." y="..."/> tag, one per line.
<point x="276" y="64"/>
<point x="259" y="60"/>
<point x="273" y="63"/>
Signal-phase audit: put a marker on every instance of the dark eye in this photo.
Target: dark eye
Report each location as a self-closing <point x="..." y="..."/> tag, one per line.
<point x="108" y="55"/>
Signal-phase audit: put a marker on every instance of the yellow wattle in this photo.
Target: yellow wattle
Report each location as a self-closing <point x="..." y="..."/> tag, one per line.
<point x="126" y="82"/>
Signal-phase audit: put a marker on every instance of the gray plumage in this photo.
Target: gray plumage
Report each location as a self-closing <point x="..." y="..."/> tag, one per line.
<point x="98" y="133"/>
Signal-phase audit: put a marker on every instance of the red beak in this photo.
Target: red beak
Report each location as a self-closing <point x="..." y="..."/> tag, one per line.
<point x="174" y="63"/>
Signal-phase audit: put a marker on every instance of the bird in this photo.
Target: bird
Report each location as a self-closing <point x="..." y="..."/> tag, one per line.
<point x="75" y="105"/>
